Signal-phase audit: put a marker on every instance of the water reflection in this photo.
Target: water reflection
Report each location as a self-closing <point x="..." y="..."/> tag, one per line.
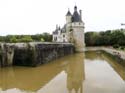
<point x="94" y="72"/>
<point x="75" y="74"/>
<point x="34" y="79"/>
<point x="103" y="75"/>
<point x="119" y="68"/>
<point x="96" y="55"/>
<point x="27" y="78"/>
<point x="93" y="55"/>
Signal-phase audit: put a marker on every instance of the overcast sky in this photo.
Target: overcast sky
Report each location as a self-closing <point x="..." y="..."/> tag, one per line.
<point x="38" y="16"/>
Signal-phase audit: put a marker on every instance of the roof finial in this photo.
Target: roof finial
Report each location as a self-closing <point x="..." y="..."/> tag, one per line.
<point x="56" y="26"/>
<point x="75" y="8"/>
<point x="68" y="13"/>
<point x="68" y="9"/>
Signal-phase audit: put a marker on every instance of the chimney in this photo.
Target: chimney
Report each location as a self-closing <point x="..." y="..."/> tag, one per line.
<point x="80" y="11"/>
<point x="56" y="27"/>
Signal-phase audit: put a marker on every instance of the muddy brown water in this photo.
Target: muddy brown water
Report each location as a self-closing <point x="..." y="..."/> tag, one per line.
<point x="89" y="72"/>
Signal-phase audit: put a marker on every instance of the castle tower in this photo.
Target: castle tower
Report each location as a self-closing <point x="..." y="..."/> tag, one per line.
<point x="68" y="17"/>
<point x="78" y="30"/>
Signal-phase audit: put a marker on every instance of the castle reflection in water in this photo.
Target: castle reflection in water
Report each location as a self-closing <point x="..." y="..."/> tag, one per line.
<point x="75" y="74"/>
<point x="34" y="79"/>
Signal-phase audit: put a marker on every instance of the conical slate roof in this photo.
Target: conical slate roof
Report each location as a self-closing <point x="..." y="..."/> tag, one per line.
<point x="76" y="17"/>
<point x="68" y="13"/>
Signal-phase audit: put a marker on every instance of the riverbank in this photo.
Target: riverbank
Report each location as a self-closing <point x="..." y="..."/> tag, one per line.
<point x="118" y="53"/>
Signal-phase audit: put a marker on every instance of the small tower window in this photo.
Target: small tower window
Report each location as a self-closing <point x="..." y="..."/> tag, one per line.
<point x="63" y="35"/>
<point x="71" y="30"/>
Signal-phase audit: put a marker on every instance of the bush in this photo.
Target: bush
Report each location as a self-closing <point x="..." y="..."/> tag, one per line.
<point x="122" y="47"/>
<point x="26" y="38"/>
<point x="116" y="46"/>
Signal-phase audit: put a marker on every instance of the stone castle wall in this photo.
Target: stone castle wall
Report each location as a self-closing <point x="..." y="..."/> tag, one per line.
<point x="32" y="54"/>
<point x="78" y="36"/>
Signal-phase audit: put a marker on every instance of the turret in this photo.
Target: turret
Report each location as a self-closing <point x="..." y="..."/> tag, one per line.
<point x="78" y="30"/>
<point x="80" y="12"/>
<point x="68" y="17"/>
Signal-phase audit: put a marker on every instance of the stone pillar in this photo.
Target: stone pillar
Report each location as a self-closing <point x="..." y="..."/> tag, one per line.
<point x="7" y="53"/>
<point x="10" y="54"/>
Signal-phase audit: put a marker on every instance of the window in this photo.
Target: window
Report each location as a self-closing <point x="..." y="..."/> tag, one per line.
<point x="63" y="36"/>
<point x="55" y="38"/>
<point x="71" y="30"/>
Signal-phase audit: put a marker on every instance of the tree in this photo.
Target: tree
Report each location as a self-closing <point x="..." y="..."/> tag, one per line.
<point x="26" y="38"/>
<point x="117" y="36"/>
<point x="47" y="37"/>
<point x="13" y="39"/>
<point x="105" y="38"/>
<point x="90" y="38"/>
<point x="2" y="38"/>
<point x="42" y="40"/>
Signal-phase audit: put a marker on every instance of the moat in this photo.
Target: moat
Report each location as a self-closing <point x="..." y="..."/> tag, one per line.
<point x="89" y="72"/>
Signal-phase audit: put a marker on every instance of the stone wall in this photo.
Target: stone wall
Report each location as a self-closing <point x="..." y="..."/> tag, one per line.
<point x="117" y="54"/>
<point x="32" y="54"/>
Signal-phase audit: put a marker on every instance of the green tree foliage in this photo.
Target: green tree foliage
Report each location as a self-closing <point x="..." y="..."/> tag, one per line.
<point x="118" y="37"/>
<point x="107" y="38"/>
<point x="42" y="40"/>
<point x="45" y="37"/>
<point x="90" y="38"/>
<point x="13" y="39"/>
<point x="26" y="38"/>
<point x="37" y="37"/>
<point x="2" y="38"/>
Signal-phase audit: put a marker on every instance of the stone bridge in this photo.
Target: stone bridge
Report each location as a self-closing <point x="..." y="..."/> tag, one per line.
<point x="33" y="53"/>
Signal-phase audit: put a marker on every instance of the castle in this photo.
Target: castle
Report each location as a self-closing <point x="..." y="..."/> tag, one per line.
<point x="72" y="31"/>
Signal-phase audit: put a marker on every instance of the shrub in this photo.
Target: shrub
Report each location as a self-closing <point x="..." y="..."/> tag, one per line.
<point x="122" y="47"/>
<point x="116" y="46"/>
